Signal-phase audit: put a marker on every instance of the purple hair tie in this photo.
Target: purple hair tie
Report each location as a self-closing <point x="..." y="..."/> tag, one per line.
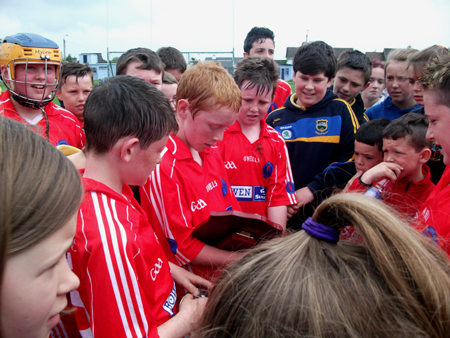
<point x="320" y="231"/>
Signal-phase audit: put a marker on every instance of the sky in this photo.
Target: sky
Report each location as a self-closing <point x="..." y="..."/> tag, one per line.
<point x="218" y="26"/>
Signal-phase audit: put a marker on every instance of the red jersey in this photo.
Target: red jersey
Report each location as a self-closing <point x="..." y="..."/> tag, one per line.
<point x="259" y="172"/>
<point x="282" y="92"/>
<point x="433" y="218"/>
<point x="180" y="195"/>
<point x="403" y="196"/>
<point x="406" y="197"/>
<point x="126" y="288"/>
<point x="63" y="126"/>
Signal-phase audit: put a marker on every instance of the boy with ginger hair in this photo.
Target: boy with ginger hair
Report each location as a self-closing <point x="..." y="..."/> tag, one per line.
<point x="191" y="180"/>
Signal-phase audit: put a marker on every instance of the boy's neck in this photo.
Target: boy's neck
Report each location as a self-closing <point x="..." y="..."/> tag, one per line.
<point x="25" y="112"/>
<point x="409" y="103"/>
<point x="195" y="154"/>
<point x="418" y="175"/>
<point x="103" y="169"/>
<point x="252" y="132"/>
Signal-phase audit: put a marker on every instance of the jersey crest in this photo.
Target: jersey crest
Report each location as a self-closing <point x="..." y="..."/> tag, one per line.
<point x="321" y="126"/>
<point x="267" y="170"/>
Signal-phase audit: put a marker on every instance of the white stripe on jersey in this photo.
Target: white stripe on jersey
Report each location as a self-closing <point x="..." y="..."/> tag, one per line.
<point x="157" y="200"/>
<point x="289" y="177"/>
<point x="108" y="257"/>
<point x="131" y="271"/>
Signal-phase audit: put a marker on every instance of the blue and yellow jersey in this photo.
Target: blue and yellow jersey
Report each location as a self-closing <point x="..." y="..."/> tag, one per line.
<point x="316" y="137"/>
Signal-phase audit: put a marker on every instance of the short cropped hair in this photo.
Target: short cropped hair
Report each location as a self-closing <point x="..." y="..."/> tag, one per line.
<point x="356" y="60"/>
<point x="261" y="73"/>
<point x="436" y="78"/>
<point x="172" y="58"/>
<point x="420" y="59"/>
<point x="126" y="106"/>
<point x="149" y="59"/>
<point x="371" y="132"/>
<point x="169" y="78"/>
<point x="412" y="126"/>
<point x="76" y="69"/>
<point x="255" y="34"/>
<point x="207" y="85"/>
<point x="400" y="55"/>
<point x="315" y="57"/>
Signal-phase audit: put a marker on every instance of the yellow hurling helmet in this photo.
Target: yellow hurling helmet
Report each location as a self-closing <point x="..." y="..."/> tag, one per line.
<point x="28" y="49"/>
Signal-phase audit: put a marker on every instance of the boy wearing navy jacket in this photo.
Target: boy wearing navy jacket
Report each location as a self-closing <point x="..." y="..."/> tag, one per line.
<point x="318" y="127"/>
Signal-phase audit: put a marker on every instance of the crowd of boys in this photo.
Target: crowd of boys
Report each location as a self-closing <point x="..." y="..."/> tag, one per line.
<point x="160" y="147"/>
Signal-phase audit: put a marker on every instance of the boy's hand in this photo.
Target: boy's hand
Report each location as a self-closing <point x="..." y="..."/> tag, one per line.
<point x="188" y="280"/>
<point x="291" y="211"/>
<point x="304" y="196"/>
<point x="192" y="310"/>
<point x="381" y="170"/>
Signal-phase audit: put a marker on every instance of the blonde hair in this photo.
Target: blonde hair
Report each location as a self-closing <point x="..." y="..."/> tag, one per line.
<point x="39" y="189"/>
<point x="208" y="85"/>
<point x="400" y="55"/>
<point x="395" y="285"/>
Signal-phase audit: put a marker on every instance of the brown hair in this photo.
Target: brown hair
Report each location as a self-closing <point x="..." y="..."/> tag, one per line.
<point x="420" y="59"/>
<point x="413" y="127"/>
<point x="149" y="60"/>
<point x="261" y="73"/>
<point x="436" y="78"/>
<point x="124" y="106"/>
<point x="76" y="69"/>
<point x="40" y="189"/>
<point x="400" y="55"/>
<point x="395" y="285"/>
<point x="207" y="85"/>
<point x="172" y="58"/>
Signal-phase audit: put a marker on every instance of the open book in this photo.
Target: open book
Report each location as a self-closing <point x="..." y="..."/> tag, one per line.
<point x="236" y="230"/>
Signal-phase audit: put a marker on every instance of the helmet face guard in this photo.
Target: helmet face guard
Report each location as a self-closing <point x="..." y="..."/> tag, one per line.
<point x="26" y="51"/>
<point x="49" y="82"/>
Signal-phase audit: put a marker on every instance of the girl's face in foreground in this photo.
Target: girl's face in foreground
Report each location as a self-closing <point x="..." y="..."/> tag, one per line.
<point x="35" y="284"/>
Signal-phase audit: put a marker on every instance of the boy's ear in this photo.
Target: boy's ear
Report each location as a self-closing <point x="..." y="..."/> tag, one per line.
<point x="128" y="148"/>
<point x="58" y="94"/>
<point x="183" y="108"/>
<point x="365" y="86"/>
<point x="425" y="155"/>
<point x="330" y="82"/>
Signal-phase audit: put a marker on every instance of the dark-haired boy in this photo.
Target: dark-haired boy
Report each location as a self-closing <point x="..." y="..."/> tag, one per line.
<point x="255" y="154"/>
<point x="173" y="60"/>
<point x="368" y="148"/>
<point x="116" y="253"/>
<point x="260" y="41"/>
<point x="368" y="153"/>
<point x="352" y="77"/>
<point x="318" y="127"/>
<point x="142" y="63"/>
<point x="434" y="216"/>
<point x="406" y="150"/>
<point x="74" y="88"/>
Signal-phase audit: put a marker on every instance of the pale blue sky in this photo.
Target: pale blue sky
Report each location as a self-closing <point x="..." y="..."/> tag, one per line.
<point x="206" y="25"/>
